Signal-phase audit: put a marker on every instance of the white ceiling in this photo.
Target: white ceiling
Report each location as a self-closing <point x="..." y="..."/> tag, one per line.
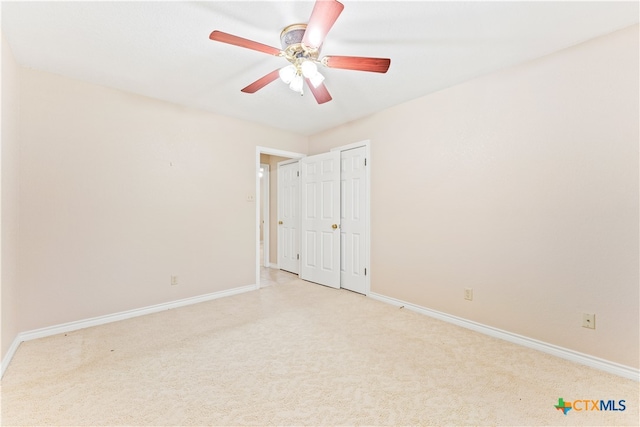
<point x="162" y="49"/>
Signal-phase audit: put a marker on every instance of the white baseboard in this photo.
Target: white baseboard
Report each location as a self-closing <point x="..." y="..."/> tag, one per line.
<point x="115" y="317"/>
<point x="564" y="353"/>
<point x="7" y="357"/>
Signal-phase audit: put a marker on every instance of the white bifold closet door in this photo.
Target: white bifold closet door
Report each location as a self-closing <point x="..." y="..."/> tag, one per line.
<point x="320" y="219"/>
<point x="353" y="230"/>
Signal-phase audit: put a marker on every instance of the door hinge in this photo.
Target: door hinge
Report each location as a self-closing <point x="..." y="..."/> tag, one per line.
<point x="298" y="256"/>
<point x="365" y="271"/>
<point x="297" y="173"/>
<point x="365" y="161"/>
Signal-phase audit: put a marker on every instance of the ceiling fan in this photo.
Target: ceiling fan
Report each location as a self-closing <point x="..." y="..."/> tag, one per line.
<point x="301" y="44"/>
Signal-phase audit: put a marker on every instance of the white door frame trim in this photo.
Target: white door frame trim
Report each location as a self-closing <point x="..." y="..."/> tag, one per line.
<point x="367" y="145"/>
<point x="272" y="152"/>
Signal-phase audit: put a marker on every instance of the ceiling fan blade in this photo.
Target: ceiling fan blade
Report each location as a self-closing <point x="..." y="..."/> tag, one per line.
<point x="219" y="36"/>
<point x="323" y="16"/>
<point x="261" y="82"/>
<point x="320" y="93"/>
<point x="376" y="65"/>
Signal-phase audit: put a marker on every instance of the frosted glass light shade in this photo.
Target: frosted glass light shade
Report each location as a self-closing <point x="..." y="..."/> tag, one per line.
<point x="287" y="73"/>
<point x="309" y="69"/>
<point x="296" y="84"/>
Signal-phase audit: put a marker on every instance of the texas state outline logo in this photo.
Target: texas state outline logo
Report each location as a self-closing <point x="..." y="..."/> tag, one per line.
<point x="563" y="406"/>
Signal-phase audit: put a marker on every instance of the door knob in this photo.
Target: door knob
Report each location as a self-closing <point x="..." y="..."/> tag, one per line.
<point x="334" y="226"/>
<point x="280" y="222"/>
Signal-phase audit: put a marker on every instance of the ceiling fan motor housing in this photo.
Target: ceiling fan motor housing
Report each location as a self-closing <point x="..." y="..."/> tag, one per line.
<point x="291" y="40"/>
<point x="292" y="35"/>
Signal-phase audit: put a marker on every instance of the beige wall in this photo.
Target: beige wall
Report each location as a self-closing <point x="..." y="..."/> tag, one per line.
<point x="522" y="185"/>
<point x="10" y="184"/>
<point x="119" y="192"/>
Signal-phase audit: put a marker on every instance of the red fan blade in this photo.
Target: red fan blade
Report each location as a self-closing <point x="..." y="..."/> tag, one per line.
<point x="261" y="82"/>
<point x="323" y="16"/>
<point x="320" y="93"/>
<point x="376" y="65"/>
<point x="219" y="36"/>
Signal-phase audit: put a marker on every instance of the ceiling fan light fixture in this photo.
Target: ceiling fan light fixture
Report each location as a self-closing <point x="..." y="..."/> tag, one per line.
<point x="287" y="73"/>
<point x="296" y="84"/>
<point x="301" y="45"/>
<point x="309" y="69"/>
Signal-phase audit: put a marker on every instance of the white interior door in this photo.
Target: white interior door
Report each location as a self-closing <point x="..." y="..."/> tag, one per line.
<point x="353" y="226"/>
<point x="289" y="217"/>
<point x="320" y="219"/>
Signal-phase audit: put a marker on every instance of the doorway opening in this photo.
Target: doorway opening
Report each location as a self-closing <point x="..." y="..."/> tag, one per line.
<point x="266" y="195"/>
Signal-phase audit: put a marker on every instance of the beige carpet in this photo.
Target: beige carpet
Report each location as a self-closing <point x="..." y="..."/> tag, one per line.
<point x="297" y="354"/>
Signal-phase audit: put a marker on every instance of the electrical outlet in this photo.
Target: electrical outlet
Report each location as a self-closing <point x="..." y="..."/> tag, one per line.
<point x="251" y="198"/>
<point x="174" y="280"/>
<point x="468" y="294"/>
<point x="588" y="320"/>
